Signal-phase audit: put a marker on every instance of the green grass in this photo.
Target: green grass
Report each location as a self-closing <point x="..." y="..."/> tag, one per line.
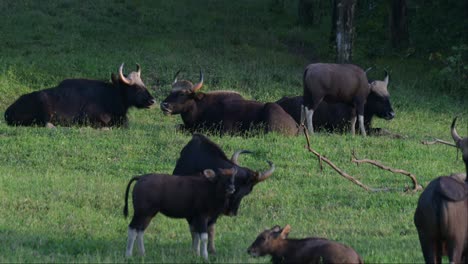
<point x="62" y="190"/>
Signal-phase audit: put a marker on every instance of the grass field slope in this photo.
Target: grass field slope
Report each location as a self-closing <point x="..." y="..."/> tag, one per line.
<point x="62" y="190"/>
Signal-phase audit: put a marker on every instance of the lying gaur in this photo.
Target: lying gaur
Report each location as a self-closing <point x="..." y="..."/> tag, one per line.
<point x="275" y="242"/>
<point x="197" y="199"/>
<point x="82" y="102"/>
<point x="199" y="111"/>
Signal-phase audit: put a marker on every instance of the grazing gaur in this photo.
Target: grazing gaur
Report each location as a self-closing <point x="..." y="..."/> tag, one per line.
<point x="345" y="83"/>
<point x="197" y="199"/>
<point x="337" y="116"/>
<point x="82" y="102"/>
<point x="199" y="111"/>
<point x="275" y="242"/>
<point x="441" y="216"/>
<point x="248" y="116"/>
<point x="201" y="153"/>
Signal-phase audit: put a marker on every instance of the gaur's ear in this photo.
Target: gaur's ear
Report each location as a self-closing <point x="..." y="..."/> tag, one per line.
<point x="209" y="174"/>
<point x="276" y="228"/>
<point x="285" y="232"/>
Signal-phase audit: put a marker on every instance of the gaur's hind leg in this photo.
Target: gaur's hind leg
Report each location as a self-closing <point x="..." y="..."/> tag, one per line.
<point x="211" y="236"/>
<point x="136" y="229"/>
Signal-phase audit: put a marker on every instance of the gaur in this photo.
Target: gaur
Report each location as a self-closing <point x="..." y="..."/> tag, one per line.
<point x="82" y="102"/>
<point x="441" y="216"/>
<point x="336" y="117"/>
<point x="311" y="250"/>
<point x="345" y="83"/>
<point x="201" y="153"/>
<point x="197" y="199"/>
<point x="199" y="111"/>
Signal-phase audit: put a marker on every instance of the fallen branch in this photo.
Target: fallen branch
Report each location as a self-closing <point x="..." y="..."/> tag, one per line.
<point x="342" y="173"/>
<point x="438" y="141"/>
<point x="416" y="186"/>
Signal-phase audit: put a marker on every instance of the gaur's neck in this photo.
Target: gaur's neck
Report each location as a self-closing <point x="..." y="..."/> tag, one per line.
<point x="282" y="250"/>
<point x="190" y="114"/>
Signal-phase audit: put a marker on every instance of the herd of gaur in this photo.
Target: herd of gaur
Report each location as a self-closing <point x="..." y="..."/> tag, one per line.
<point x="206" y="183"/>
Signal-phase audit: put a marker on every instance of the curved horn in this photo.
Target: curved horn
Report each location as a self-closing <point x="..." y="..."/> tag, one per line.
<point x="199" y="85"/>
<point x="122" y="77"/>
<point x="386" y="78"/>
<point x="264" y="175"/>
<point x="175" y="77"/>
<point x="138" y="69"/>
<point x="368" y="69"/>
<point x="455" y="135"/>
<point x="236" y="155"/>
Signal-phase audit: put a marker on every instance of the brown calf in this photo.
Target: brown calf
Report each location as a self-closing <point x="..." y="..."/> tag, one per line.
<point x="197" y="199"/>
<point x="274" y="242"/>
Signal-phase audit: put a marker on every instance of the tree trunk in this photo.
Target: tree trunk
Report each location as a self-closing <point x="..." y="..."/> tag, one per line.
<point x="399" y="24"/>
<point x="343" y="29"/>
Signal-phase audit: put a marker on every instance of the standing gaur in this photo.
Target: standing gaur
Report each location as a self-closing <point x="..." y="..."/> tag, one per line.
<point x="345" y="83"/>
<point x="283" y="250"/>
<point x="201" y="153"/>
<point x="441" y="216"/>
<point x="197" y="199"/>
<point x="82" y="102"/>
<point x="337" y="116"/>
<point x="199" y="111"/>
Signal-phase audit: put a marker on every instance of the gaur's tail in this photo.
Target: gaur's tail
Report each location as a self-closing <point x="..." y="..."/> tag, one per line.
<point x="125" y="210"/>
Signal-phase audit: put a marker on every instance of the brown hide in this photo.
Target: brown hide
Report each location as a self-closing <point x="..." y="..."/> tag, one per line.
<point x="311" y="250"/>
<point x="442" y="222"/>
<point x="462" y="143"/>
<point x="244" y="116"/>
<point x="345" y="83"/>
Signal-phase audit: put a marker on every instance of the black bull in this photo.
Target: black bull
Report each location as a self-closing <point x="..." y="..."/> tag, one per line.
<point x="82" y="102"/>
<point x="200" y="154"/>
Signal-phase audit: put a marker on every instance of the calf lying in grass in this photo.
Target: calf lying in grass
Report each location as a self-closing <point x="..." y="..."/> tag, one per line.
<point x="197" y="199"/>
<point x="274" y="242"/>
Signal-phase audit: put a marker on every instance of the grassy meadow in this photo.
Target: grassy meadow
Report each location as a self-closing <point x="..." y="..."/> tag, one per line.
<point x="62" y="190"/>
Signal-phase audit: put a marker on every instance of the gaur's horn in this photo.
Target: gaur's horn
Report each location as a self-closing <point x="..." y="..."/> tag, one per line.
<point x="455" y="135"/>
<point x="264" y="175"/>
<point x="236" y="154"/>
<point x="199" y="85"/>
<point x="138" y="69"/>
<point x="122" y="77"/>
<point x="368" y="69"/>
<point x="386" y="78"/>
<point x="175" y="77"/>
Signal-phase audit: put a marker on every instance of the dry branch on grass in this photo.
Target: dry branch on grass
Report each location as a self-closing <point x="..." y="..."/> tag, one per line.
<point x="321" y="158"/>
<point x="416" y="186"/>
<point x="440" y="141"/>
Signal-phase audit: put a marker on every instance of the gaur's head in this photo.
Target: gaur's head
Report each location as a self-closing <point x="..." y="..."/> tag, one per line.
<point x="133" y="87"/>
<point x="268" y="241"/>
<point x="225" y="179"/>
<point x="182" y="96"/>
<point x="378" y="101"/>
<point x="246" y="179"/>
<point x="462" y="143"/>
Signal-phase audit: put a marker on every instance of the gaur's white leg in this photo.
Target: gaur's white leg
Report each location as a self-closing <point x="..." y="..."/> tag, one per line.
<point x="49" y="125"/>
<point x="132" y="233"/>
<point x="353" y="125"/>
<point x="196" y="243"/>
<point x="303" y="114"/>
<point x="309" y="116"/>
<point x="140" y="243"/>
<point x="194" y="236"/>
<point x="361" y="125"/>
<point x="204" y="240"/>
